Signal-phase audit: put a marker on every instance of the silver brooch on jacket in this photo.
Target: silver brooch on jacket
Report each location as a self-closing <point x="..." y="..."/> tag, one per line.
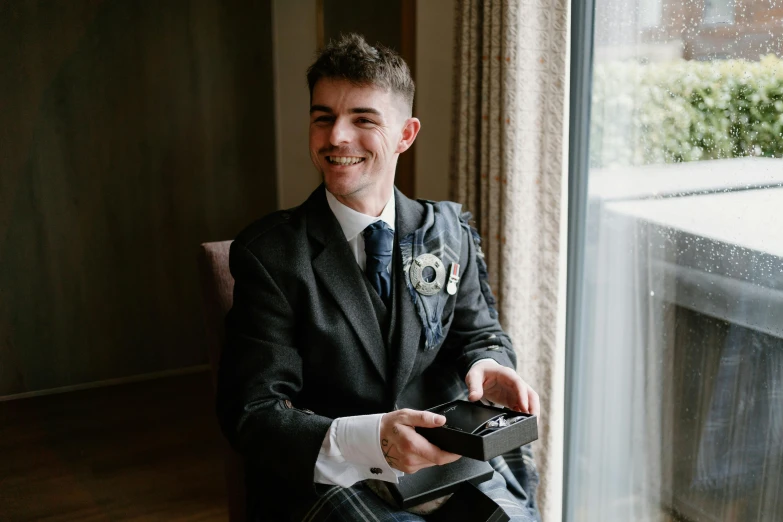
<point x="428" y="275"/>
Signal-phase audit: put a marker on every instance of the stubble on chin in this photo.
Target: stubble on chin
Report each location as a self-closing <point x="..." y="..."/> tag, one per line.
<point x="343" y="191"/>
<point x="345" y="187"/>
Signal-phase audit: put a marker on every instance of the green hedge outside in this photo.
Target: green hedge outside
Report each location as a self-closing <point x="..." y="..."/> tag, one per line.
<point x="686" y="111"/>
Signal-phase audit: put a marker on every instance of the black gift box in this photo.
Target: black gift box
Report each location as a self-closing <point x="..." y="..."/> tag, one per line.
<point x="465" y="431"/>
<point x="437" y="481"/>
<point x="470" y="504"/>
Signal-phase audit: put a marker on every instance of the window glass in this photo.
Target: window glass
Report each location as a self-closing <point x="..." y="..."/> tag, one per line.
<point x="650" y="13"/>
<point x="678" y="391"/>
<point x="718" y="11"/>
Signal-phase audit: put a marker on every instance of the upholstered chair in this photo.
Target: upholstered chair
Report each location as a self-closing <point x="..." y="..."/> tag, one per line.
<point x="217" y="288"/>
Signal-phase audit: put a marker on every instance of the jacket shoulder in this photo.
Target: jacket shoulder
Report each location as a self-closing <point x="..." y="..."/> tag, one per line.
<point x="278" y="222"/>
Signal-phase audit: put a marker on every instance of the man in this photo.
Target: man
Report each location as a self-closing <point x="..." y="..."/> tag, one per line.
<point x="344" y="327"/>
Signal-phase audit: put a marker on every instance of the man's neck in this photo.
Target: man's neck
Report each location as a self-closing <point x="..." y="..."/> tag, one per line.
<point x="367" y="204"/>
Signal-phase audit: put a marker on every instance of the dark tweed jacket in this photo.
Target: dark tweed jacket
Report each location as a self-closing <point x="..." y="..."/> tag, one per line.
<point x="304" y="346"/>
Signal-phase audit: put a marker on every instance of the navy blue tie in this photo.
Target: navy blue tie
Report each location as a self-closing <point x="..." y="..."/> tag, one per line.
<point x="378" y="244"/>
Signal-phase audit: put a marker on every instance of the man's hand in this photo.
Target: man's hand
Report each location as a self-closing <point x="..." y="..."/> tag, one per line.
<point x="501" y="385"/>
<point x="406" y="450"/>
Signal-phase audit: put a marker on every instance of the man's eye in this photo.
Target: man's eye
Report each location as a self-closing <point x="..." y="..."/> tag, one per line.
<point x="323" y="119"/>
<point x="364" y="121"/>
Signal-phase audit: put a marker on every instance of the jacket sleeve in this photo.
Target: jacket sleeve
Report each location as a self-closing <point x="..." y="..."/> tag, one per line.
<point x="260" y="376"/>
<point x="474" y="331"/>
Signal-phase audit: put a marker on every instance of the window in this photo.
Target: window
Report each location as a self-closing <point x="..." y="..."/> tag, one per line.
<point x="718" y="11"/>
<point x="675" y="329"/>
<point x="650" y="13"/>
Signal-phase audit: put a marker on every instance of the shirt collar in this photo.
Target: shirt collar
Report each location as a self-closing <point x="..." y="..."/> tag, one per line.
<point x="352" y="222"/>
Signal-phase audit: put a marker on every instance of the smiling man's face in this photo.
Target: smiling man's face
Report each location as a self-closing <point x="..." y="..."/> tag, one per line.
<point x="356" y="134"/>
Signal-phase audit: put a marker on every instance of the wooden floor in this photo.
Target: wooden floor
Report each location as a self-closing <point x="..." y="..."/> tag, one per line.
<point x="143" y="451"/>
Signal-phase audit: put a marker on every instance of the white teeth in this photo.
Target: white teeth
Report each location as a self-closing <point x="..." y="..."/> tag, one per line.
<point x="344" y="160"/>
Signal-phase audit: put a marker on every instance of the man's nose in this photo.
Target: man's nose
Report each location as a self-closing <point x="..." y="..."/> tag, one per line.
<point x="341" y="132"/>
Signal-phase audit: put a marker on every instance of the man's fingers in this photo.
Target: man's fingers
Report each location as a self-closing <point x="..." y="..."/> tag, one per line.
<point x="475" y="381"/>
<point x="410" y="452"/>
<point x="535" y="403"/>
<point x="422" y="419"/>
<point x="431" y="453"/>
<point x="522" y="394"/>
<point x="440" y="457"/>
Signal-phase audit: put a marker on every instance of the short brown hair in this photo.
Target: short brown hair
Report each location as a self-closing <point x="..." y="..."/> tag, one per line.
<point x="352" y="58"/>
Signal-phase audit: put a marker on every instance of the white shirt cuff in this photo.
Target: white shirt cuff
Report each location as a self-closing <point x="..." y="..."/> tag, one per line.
<point x="488" y="359"/>
<point x="351" y="452"/>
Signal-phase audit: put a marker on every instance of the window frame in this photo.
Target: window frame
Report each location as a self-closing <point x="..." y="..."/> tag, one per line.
<point x="580" y="102"/>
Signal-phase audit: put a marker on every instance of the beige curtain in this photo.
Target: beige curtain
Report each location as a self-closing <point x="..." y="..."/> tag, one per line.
<point x="506" y="168"/>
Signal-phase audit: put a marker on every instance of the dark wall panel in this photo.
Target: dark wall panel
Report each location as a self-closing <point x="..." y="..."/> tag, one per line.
<point x="376" y="21"/>
<point x="129" y="133"/>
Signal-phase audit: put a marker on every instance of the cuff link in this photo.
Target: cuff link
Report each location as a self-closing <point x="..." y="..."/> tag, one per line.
<point x="497" y="423"/>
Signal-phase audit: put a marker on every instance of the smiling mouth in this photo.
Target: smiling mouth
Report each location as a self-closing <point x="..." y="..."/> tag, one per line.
<point x="344" y="160"/>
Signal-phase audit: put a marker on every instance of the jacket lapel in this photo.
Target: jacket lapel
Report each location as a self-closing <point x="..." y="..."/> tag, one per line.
<point x="338" y="272"/>
<point x="409" y="218"/>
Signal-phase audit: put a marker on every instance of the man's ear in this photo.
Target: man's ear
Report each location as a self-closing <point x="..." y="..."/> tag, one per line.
<point x="409" y="132"/>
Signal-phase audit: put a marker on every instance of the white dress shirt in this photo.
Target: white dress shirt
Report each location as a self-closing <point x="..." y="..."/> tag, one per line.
<point x="351" y="451"/>
<point x="352" y="446"/>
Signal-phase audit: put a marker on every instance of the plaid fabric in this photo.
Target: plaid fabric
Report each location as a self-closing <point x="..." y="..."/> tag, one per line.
<point x="513" y="488"/>
<point x="515" y="484"/>
<point x="356" y="503"/>
<point x="441" y="236"/>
